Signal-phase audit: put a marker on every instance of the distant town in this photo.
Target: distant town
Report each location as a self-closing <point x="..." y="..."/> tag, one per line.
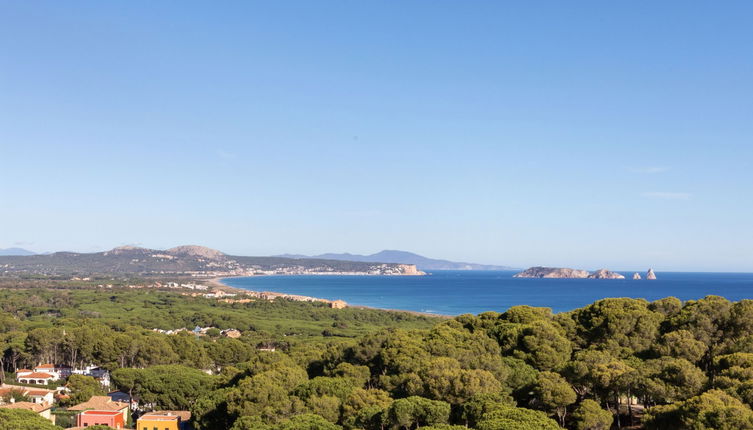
<point x="189" y="260"/>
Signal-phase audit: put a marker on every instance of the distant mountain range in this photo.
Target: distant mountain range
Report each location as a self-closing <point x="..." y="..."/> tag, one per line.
<point x="198" y="259"/>
<point x="186" y="260"/>
<point x="16" y="251"/>
<point x="403" y="257"/>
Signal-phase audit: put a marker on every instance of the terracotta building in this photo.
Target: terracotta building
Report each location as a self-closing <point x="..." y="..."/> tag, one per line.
<point x="114" y="419"/>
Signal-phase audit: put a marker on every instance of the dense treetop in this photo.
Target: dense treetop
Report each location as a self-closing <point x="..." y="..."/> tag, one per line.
<point x="662" y="365"/>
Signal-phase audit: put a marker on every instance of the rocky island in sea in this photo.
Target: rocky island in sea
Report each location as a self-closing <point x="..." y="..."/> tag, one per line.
<point x="552" y="272"/>
<point x="605" y="274"/>
<point x="567" y="273"/>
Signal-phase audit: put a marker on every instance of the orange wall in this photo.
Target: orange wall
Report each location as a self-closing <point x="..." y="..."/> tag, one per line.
<point x="116" y="421"/>
<point x="158" y="424"/>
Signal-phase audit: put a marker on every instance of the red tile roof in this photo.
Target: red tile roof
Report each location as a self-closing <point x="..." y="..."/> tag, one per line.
<point x="37" y="375"/>
<point x="95" y="412"/>
<point x="6" y="388"/>
<point x="102" y="403"/>
<point x="29" y="406"/>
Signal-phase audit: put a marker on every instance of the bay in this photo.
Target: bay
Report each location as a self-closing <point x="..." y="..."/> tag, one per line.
<point x="459" y="292"/>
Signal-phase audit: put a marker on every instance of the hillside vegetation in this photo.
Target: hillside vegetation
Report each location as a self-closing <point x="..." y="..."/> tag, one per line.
<point x="180" y="260"/>
<point x="617" y="362"/>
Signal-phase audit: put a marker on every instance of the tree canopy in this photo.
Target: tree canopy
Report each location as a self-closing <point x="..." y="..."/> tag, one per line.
<point x="687" y="365"/>
<point x="19" y="419"/>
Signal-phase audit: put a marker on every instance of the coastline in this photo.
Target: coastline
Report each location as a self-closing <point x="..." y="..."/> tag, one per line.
<point x="217" y="283"/>
<point x="454" y="293"/>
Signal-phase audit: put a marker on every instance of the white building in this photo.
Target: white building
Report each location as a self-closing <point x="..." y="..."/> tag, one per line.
<point x="96" y="372"/>
<point x="41" y="374"/>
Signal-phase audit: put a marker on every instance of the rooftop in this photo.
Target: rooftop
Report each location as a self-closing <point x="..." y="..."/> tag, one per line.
<point x="5" y="388"/>
<point x="102" y="403"/>
<point x="167" y="415"/>
<point x="96" y="412"/>
<point x="29" y="406"/>
<point x="37" y="375"/>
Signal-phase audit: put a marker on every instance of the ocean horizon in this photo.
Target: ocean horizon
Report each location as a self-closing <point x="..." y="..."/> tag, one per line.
<point x="455" y="292"/>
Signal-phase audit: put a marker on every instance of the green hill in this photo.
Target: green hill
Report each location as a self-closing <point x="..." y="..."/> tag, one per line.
<point x="182" y="260"/>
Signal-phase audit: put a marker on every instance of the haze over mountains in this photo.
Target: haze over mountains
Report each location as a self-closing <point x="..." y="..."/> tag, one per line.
<point x="192" y="258"/>
<point x="189" y="260"/>
<point x="403" y="257"/>
<point x="15" y="251"/>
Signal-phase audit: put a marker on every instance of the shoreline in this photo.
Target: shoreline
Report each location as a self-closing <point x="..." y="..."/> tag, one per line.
<point x="217" y="283"/>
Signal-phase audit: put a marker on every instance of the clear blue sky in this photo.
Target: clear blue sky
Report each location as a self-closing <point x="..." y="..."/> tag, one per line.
<point x="586" y="134"/>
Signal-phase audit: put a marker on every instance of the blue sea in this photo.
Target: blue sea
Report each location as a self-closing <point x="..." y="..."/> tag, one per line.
<point x="459" y="292"/>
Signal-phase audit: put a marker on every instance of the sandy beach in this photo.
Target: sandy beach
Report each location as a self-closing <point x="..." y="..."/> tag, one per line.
<point x="218" y="284"/>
